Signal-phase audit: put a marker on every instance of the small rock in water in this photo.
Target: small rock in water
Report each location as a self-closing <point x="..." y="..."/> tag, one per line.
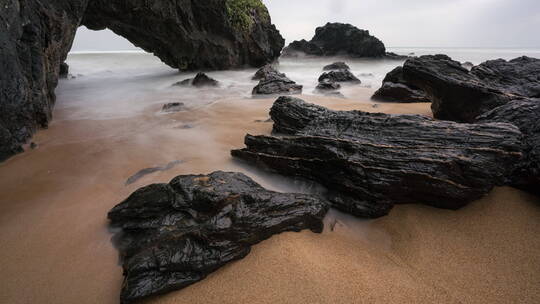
<point x="366" y="75"/>
<point x="339" y="76"/>
<point x="200" y="80"/>
<point x="173" y="107"/>
<point x="265" y="72"/>
<point x="336" y="66"/>
<point x="184" y="83"/>
<point x="328" y="85"/>
<point x="64" y="70"/>
<point x="272" y="82"/>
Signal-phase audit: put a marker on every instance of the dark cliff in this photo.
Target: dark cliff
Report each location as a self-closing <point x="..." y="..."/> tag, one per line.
<point x="36" y="36"/>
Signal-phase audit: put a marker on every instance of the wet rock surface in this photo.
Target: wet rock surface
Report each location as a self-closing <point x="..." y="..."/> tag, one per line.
<point x="212" y="34"/>
<point x="371" y="161"/>
<point x="272" y="82"/>
<point x="265" y="72"/>
<point x="173" y="235"/>
<point x="339" y="76"/>
<point x="461" y="95"/>
<point x="338" y="39"/>
<point x="396" y="89"/>
<point x="525" y="114"/>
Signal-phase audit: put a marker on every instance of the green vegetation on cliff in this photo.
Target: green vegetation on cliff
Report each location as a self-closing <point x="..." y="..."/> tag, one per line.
<point x="242" y="12"/>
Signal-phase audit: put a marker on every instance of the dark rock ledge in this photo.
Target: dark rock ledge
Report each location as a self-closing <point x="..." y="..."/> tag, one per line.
<point x="173" y="235"/>
<point x="371" y="161"/>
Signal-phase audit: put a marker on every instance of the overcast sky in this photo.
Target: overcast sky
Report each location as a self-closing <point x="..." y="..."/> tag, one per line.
<point x="406" y="23"/>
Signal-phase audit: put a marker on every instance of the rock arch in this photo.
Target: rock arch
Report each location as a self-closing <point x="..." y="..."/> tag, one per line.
<point x="36" y="36"/>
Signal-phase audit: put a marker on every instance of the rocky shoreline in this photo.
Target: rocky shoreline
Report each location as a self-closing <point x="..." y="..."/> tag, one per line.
<point x="485" y="131"/>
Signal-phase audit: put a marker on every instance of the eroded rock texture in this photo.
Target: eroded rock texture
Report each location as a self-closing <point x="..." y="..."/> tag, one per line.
<point x="371" y="161"/>
<point x="496" y="90"/>
<point x="338" y="39"/>
<point x="339" y="76"/>
<point x="396" y="89"/>
<point x="461" y="95"/>
<point x="175" y="234"/>
<point x="272" y="82"/>
<point x="35" y="37"/>
<point x="525" y="114"/>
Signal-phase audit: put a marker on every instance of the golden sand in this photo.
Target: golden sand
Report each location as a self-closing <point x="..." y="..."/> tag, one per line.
<point x="55" y="247"/>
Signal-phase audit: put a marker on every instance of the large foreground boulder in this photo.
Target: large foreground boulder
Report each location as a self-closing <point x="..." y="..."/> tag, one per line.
<point x="338" y="39"/>
<point x="371" y="161"/>
<point x="396" y="89"/>
<point x="36" y="36"/>
<point x="173" y="235"/>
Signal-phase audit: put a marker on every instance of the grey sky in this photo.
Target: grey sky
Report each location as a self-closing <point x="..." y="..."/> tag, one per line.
<point x="409" y="23"/>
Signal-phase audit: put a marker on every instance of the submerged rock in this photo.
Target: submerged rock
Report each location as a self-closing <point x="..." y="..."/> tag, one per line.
<point x="336" y="66"/>
<point x="338" y="39"/>
<point x="173" y="107"/>
<point x="173" y="235"/>
<point x="37" y="36"/>
<point x="396" y="89"/>
<point x="141" y="173"/>
<point x="371" y="161"/>
<point x="339" y="76"/>
<point x="200" y="80"/>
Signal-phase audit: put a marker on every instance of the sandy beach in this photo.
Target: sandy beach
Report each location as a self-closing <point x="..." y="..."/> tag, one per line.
<point x="56" y="246"/>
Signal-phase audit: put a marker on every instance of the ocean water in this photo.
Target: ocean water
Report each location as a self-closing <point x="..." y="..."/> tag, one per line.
<point x="121" y="84"/>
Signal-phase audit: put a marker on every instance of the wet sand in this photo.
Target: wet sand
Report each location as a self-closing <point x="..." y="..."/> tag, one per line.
<point x="56" y="247"/>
